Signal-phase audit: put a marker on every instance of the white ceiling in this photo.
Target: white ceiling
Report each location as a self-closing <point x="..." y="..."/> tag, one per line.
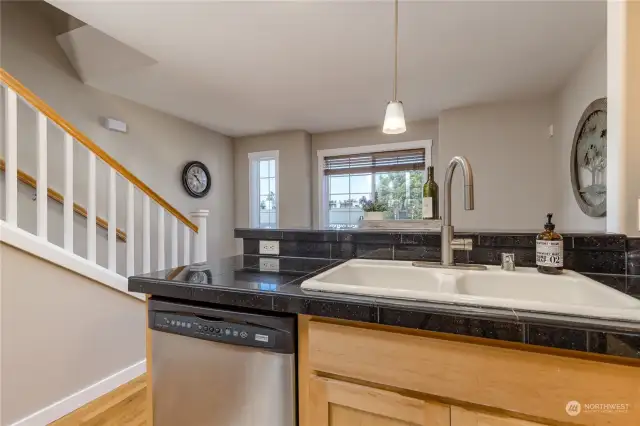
<point x="253" y="67"/>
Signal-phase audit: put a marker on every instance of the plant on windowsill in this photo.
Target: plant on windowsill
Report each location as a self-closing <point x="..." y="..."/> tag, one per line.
<point x="333" y="204"/>
<point x="373" y="209"/>
<point x="271" y="199"/>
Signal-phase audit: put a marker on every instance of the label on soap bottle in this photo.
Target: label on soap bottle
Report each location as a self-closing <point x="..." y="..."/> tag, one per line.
<point x="427" y="208"/>
<point x="549" y="253"/>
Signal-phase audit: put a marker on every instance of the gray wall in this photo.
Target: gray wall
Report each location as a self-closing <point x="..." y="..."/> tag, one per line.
<point x="294" y="192"/>
<point x="61" y="333"/>
<point x="509" y="148"/>
<point x="586" y="84"/>
<point x="155" y="149"/>
<point x="416" y="130"/>
<point x="298" y="166"/>
<point x="521" y="172"/>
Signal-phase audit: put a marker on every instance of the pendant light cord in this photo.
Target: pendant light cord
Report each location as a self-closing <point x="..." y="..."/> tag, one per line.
<point x="395" y="67"/>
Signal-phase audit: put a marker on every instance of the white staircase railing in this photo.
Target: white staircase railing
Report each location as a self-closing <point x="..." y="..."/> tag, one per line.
<point x="16" y="92"/>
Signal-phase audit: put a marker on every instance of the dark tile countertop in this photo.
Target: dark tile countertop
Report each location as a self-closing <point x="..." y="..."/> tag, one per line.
<point x="238" y="281"/>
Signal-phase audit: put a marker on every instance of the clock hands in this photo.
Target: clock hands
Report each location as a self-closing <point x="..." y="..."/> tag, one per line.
<point x="194" y="173"/>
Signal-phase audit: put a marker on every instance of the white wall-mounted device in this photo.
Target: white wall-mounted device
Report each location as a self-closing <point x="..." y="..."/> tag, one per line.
<point x="114" y="125"/>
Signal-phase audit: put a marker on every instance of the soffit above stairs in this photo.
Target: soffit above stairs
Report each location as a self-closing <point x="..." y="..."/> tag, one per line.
<point x="97" y="57"/>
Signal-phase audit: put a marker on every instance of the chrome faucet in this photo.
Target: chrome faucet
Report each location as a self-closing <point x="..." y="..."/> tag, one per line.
<point x="447" y="242"/>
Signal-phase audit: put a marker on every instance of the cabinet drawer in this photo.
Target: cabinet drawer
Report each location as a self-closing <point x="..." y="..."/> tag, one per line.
<point x="336" y="403"/>
<point x="533" y="384"/>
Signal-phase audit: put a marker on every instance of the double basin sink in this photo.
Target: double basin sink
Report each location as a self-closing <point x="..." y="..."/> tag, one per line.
<point x="522" y="289"/>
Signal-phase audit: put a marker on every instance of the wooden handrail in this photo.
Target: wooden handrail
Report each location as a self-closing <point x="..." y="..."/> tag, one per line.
<point x="56" y="196"/>
<point x="39" y="104"/>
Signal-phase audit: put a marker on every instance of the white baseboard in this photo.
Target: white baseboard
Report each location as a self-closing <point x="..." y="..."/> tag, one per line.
<point x="50" y="252"/>
<point x="71" y="403"/>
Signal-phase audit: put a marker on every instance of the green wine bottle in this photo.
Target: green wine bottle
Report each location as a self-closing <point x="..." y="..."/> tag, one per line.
<point x="430" y="197"/>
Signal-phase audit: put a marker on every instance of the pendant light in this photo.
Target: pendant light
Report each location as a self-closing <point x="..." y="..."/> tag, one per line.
<point x="394" y="117"/>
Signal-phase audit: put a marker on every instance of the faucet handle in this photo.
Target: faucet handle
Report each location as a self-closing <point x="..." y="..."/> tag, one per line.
<point x="462" y="244"/>
<point x="508" y="262"/>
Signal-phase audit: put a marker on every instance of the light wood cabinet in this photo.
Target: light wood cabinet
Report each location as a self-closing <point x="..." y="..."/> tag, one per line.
<point x="463" y="417"/>
<point x="351" y="375"/>
<point x="338" y="403"/>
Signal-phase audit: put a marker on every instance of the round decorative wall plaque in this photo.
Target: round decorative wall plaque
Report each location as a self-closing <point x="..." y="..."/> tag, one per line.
<point x="589" y="160"/>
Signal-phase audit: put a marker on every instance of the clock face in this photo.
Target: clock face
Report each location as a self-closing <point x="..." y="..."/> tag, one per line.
<point x="196" y="179"/>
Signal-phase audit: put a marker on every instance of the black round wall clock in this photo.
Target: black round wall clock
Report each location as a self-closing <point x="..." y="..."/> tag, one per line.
<point x="196" y="179"/>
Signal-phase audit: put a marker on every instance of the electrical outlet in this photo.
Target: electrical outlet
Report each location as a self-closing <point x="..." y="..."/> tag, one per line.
<point x="270" y="247"/>
<point x="269" y="264"/>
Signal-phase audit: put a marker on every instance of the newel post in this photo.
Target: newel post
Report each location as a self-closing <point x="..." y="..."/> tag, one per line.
<point x="200" y="219"/>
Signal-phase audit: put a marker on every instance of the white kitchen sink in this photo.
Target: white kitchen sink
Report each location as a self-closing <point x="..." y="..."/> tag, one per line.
<point x="524" y="289"/>
<point x="382" y="278"/>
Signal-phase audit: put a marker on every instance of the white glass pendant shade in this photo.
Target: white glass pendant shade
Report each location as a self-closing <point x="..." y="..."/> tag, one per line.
<point x="394" y="119"/>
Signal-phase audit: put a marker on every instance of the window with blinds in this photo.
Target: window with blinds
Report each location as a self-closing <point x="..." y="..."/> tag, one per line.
<point x="375" y="162"/>
<point x="394" y="178"/>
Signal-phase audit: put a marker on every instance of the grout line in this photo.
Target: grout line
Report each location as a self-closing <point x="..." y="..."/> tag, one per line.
<point x="588" y="342"/>
<point x="287" y="257"/>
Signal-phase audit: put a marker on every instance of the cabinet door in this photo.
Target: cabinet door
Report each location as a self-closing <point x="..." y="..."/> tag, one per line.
<point x="337" y="403"/>
<point x="462" y="417"/>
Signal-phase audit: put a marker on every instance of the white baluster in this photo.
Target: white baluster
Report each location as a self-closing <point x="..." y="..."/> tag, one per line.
<point x="174" y="242"/>
<point x="161" y="253"/>
<point x="91" y="208"/>
<point x="201" y="236"/>
<point x="42" y="185"/>
<point x="187" y="246"/>
<point x="111" y="233"/>
<point x="11" y="156"/>
<point x="68" y="192"/>
<point x="146" y="234"/>
<point x="130" y="230"/>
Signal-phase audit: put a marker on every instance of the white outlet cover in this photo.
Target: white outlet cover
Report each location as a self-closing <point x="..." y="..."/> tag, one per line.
<point x="269" y="247"/>
<point x="269" y="264"/>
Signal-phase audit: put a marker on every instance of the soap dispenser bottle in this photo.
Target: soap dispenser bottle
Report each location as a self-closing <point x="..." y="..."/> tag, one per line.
<point x="549" y="249"/>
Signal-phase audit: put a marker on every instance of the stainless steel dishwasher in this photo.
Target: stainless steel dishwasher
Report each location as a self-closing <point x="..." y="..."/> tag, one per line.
<point x="219" y="367"/>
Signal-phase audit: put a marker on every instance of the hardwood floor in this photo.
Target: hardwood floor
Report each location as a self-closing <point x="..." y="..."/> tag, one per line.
<point x="125" y="406"/>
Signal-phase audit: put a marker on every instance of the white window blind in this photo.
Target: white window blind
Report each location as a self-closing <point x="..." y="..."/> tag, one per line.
<point x="375" y="162"/>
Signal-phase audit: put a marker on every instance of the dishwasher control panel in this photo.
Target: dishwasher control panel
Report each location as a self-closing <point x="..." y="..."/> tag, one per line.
<point x="218" y="331"/>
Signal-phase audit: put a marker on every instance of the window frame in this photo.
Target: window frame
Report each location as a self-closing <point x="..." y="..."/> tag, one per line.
<point x="254" y="185"/>
<point x="323" y="187"/>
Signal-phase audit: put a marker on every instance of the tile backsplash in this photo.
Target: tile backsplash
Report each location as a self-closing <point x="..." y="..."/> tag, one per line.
<point x="589" y="253"/>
